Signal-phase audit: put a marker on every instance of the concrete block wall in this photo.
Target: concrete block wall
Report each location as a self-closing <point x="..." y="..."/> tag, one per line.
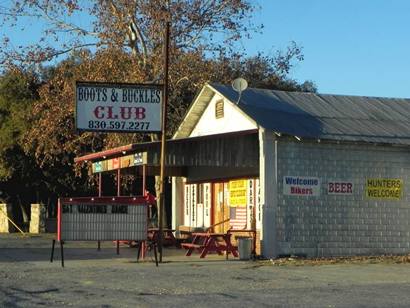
<point x="340" y="225"/>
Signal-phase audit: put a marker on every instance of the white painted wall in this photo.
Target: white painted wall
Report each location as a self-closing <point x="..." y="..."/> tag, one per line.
<point x="234" y="120"/>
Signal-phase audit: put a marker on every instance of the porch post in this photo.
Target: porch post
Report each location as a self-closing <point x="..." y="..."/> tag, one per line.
<point x="268" y="191"/>
<point x="119" y="182"/>
<point x="144" y="185"/>
<point x="100" y="184"/>
<point x="177" y="201"/>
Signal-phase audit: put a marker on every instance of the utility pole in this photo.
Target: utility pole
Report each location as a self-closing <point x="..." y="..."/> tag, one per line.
<point x="163" y="143"/>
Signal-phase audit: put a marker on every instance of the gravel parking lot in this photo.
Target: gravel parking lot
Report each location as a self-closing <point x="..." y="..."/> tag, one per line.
<point x="103" y="279"/>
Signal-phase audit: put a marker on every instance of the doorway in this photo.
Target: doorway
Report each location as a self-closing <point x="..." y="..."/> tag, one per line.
<point x="221" y="207"/>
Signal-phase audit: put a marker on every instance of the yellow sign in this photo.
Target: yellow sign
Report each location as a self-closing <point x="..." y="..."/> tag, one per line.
<point x="127" y="161"/>
<point x="384" y="188"/>
<point x="237" y="193"/>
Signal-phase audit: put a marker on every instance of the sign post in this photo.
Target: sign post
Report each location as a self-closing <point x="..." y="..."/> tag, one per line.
<point x="163" y="143"/>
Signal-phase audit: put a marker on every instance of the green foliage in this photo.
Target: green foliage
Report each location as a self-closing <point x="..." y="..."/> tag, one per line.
<point x="17" y="94"/>
<point x="38" y="141"/>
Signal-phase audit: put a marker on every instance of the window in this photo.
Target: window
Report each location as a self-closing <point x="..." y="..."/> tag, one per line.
<point x="219" y="109"/>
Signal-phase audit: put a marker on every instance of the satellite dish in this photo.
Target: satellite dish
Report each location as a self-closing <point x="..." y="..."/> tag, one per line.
<point x="239" y="85"/>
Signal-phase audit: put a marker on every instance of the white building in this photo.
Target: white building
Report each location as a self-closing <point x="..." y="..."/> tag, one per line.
<point x="316" y="175"/>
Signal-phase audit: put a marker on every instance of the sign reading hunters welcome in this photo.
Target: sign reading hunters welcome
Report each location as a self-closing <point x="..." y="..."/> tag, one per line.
<point x="118" y="107"/>
<point x="301" y="186"/>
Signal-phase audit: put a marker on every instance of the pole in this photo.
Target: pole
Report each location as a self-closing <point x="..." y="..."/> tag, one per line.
<point x="118" y="182"/>
<point x="99" y="195"/>
<point x="99" y="184"/>
<point x="143" y="180"/>
<point x="163" y="143"/>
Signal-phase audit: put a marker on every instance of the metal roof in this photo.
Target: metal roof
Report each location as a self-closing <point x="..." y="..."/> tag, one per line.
<point x="320" y="116"/>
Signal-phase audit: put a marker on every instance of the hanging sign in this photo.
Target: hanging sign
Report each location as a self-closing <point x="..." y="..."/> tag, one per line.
<point x="115" y="107"/>
<point x="193" y="205"/>
<point x="251" y="203"/>
<point x="301" y="186"/>
<point x="384" y="188"/>
<point x="207" y="204"/>
<point x="187" y="205"/>
<point x="258" y="210"/>
<point x="126" y="161"/>
<point x="97" y="167"/>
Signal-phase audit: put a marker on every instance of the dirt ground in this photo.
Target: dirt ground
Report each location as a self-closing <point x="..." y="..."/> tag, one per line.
<point x="104" y="279"/>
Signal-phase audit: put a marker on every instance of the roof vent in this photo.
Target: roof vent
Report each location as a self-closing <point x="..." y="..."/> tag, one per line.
<point x="219" y="109"/>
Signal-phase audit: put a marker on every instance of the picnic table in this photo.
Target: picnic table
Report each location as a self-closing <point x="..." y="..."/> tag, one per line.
<point x="206" y="242"/>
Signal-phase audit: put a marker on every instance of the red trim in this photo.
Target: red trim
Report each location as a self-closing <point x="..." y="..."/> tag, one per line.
<point x="106" y="153"/>
<point x="138" y="200"/>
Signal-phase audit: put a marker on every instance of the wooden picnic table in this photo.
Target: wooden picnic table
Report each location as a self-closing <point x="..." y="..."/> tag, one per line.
<point x="206" y="242"/>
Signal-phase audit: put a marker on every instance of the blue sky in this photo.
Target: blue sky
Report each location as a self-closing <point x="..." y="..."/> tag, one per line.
<point x="357" y="47"/>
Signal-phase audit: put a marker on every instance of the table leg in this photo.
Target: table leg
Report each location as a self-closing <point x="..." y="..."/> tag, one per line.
<point x="191" y="249"/>
<point x="139" y="243"/>
<point x="209" y="245"/>
<point x="62" y="253"/>
<point x="52" y="251"/>
<point x="229" y="247"/>
<point x="155" y="253"/>
<point x="144" y="249"/>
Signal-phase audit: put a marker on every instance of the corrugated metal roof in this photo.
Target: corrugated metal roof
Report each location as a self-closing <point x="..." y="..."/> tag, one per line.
<point x="332" y="117"/>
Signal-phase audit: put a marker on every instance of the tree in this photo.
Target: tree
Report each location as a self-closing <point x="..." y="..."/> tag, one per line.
<point x="131" y="25"/>
<point x="18" y="91"/>
<point x="125" y="44"/>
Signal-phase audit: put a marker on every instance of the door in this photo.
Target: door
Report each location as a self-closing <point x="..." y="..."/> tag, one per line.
<point x="220" y="207"/>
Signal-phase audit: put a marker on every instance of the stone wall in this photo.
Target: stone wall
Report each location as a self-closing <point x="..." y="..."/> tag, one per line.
<point x="38" y="218"/>
<point x="333" y="225"/>
<point x="5" y="225"/>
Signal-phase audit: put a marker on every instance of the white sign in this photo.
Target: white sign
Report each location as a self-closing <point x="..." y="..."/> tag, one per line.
<point x="118" y="107"/>
<point x="340" y="187"/>
<point x="102" y="219"/>
<point x="187" y="205"/>
<point x="193" y="205"/>
<point x="207" y="204"/>
<point x="259" y="211"/>
<point x="250" y="202"/>
<point x="301" y="186"/>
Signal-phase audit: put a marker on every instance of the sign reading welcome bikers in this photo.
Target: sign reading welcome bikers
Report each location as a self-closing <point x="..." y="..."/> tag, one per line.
<point x="118" y="107"/>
